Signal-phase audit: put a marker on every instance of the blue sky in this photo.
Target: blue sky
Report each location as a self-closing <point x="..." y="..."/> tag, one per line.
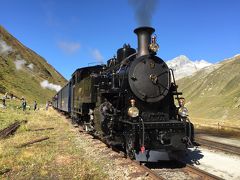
<point x="73" y="33"/>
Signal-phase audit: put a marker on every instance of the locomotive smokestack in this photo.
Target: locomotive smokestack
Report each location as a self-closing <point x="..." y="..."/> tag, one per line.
<point x="144" y="39"/>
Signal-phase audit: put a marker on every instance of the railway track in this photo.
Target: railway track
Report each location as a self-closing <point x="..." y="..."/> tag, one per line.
<point x="219" y="146"/>
<point x="180" y="170"/>
<point x="183" y="171"/>
<point x="161" y="170"/>
<point x="10" y="129"/>
<point x="142" y="173"/>
<point x="197" y="173"/>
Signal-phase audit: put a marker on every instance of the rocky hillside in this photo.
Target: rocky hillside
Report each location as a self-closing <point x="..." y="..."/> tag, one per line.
<point x="24" y="73"/>
<point x="214" y="92"/>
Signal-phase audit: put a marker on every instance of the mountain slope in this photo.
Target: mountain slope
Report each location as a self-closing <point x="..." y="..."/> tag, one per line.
<point x="183" y="66"/>
<point x="214" y="92"/>
<point x="22" y="71"/>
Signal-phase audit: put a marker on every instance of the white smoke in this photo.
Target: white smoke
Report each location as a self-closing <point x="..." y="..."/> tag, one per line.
<point x="97" y="55"/>
<point x="46" y="85"/>
<point x="19" y="63"/>
<point x="4" y="48"/>
<point x="30" y="66"/>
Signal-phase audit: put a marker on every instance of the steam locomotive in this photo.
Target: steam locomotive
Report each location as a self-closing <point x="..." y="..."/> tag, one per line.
<point x="130" y="102"/>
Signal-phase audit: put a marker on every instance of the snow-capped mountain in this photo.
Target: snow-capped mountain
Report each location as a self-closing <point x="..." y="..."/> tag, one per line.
<point x="183" y="66"/>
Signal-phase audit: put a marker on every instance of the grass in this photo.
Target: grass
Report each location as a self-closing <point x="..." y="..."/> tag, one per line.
<point x="59" y="157"/>
<point x="213" y="97"/>
<point x="218" y="127"/>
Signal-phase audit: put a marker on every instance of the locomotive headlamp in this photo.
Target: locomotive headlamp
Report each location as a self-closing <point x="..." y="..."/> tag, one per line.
<point x="133" y="111"/>
<point x="154" y="46"/>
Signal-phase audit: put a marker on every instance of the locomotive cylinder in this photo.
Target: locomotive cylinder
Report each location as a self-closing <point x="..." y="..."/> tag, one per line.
<point x="144" y="39"/>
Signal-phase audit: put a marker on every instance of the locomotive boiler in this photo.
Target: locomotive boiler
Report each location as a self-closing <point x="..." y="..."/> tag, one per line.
<point x="131" y="102"/>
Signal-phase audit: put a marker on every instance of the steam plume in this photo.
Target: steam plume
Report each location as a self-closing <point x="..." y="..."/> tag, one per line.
<point x="19" y="63"/>
<point x="30" y="66"/>
<point x="45" y="84"/>
<point x="4" y="48"/>
<point x="144" y="10"/>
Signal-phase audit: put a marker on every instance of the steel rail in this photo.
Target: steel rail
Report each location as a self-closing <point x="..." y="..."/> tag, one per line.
<point x="9" y="130"/>
<point x="219" y="146"/>
<point x="201" y="173"/>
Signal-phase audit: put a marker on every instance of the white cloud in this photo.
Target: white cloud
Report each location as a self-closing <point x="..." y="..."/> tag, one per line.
<point x="69" y="47"/>
<point x="30" y="66"/>
<point x="46" y="85"/>
<point x="4" y="48"/>
<point x="97" y="55"/>
<point x="19" y="63"/>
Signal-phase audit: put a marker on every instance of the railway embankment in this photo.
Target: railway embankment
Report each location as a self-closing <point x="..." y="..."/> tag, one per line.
<point x="45" y="147"/>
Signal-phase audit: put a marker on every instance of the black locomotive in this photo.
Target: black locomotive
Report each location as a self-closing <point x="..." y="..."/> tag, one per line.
<point x="131" y="102"/>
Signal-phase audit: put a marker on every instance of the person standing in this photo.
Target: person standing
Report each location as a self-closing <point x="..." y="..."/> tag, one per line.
<point x="4" y="101"/>
<point x="47" y="105"/>
<point x="24" y="104"/>
<point x="35" y="105"/>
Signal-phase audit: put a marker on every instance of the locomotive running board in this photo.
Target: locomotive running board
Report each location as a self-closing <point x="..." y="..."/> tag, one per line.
<point x="152" y="156"/>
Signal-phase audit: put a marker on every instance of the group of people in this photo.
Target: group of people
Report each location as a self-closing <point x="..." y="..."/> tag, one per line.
<point x="5" y="97"/>
<point x="35" y="106"/>
<point x="24" y="105"/>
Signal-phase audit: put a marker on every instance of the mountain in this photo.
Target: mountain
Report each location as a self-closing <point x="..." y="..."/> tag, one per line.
<point x="182" y="66"/>
<point x="24" y="73"/>
<point x="214" y="92"/>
